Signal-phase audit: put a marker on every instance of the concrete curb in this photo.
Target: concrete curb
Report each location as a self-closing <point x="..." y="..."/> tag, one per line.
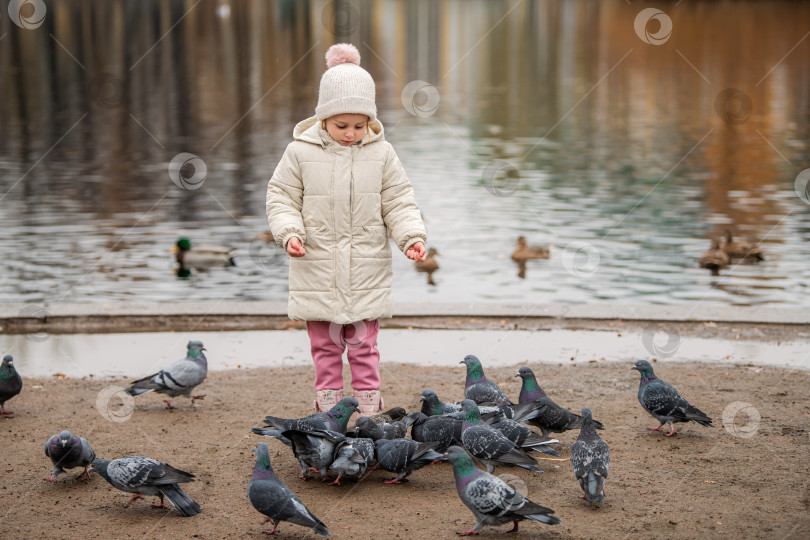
<point x="215" y="316"/>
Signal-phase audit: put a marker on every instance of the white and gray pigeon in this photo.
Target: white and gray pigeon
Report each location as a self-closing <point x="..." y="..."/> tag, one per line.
<point x="394" y="414"/>
<point x="179" y="379"/>
<point x="403" y="456"/>
<point x="491" y="500"/>
<point x="353" y="457"/>
<point x="590" y="458"/>
<point x="144" y="476"/>
<point x="270" y="496"/>
<point x="433" y="406"/>
<point x="489" y="445"/>
<point x="523" y="437"/>
<point x="68" y="451"/>
<point x="365" y="427"/>
<point x="10" y="382"/>
<point x="664" y="402"/>
<point x="314" y="449"/>
<point x="552" y="418"/>
<point x="335" y="419"/>
<point x="478" y="388"/>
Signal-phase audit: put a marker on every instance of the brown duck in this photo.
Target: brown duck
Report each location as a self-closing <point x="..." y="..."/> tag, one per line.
<point x="429" y="265"/>
<point x="524" y="252"/>
<point x="741" y="250"/>
<point x="714" y="258"/>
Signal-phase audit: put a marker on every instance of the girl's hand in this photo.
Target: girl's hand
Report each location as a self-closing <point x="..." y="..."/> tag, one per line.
<point x="416" y="252"/>
<point x="294" y="247"/>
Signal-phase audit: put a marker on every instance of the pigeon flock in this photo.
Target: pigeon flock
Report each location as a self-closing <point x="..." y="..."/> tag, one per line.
<point x="485" y="427"/>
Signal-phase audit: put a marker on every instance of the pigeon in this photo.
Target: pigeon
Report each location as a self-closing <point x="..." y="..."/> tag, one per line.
<point x="403" y="456"/>
<point x="478" y="388"/>
<point x="491" y="500"/>
<point x="490" y="445"/>
<point x="144" y="476"/>
<point x="314" y="449"/>
<point x="335" y="419"/>
<point x="10" y="382"/>
<point x="432" y="406"/>
<point x="441" y="429"/>
<point x="179" y="379"/>
<point x="664" y="402"/>
<point x="553" y="418"/>
<point x="391" y="415"/>
<point x="67" y="451"/>
<point x="352" y="458"/>
<point x="523" y="437"/>
<point x="270" y="496"/>
<point x="591" y="460"/>
<point x="364" y="427"/>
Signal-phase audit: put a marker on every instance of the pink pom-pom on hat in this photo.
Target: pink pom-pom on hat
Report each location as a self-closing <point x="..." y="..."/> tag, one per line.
<point x="345" y="86"/>
<point x="342" y="53"/>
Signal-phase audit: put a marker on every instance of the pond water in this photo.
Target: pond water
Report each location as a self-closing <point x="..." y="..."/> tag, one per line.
<point x="620" y="145"/>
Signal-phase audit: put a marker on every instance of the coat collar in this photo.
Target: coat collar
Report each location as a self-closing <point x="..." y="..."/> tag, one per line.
<point x="310" y="131"/>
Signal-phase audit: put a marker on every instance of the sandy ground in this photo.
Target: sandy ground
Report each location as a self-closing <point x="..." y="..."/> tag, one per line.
<point x="701" y="483"/>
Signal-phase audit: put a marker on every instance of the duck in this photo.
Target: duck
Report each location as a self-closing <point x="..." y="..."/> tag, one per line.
<point x="429" y="265"/>
<point x="203" y="256"/>
<point x="525" y="252"/>
<point x="741" y="250"/>
<point x="714" y="258"/>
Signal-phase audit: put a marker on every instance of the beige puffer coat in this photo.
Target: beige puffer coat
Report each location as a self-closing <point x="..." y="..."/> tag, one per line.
<point x="343" y="202"/>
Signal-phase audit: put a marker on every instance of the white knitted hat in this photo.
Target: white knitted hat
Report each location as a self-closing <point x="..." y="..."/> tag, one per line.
<point x="345" y="86"/>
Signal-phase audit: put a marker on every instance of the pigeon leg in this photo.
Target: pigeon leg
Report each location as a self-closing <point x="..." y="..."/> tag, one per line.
<point x="52" y="478"/>
<point x="337" y="480"/>
<point x="135" y="498"/>
<point x="657" y="428"/>
<point x="196" y="397"/>
<point x="85" y="475"/>
<point x="161" y="505"/>
<point x="5" y="411"/>
<point x="168" y="403"/>
<point x="467" y="533"/>
<point x="275" y="526"/>
<point x="672" y="430"/>
<point x="582" y="496"/>
<point x="396" y="480"/>
<point x="513" y="529"/>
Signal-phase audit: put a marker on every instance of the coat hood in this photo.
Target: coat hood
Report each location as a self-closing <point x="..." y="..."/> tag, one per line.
<point x="310" y="131"/>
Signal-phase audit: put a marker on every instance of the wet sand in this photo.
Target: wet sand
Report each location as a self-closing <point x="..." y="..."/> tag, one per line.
<point x="700" y="483"/>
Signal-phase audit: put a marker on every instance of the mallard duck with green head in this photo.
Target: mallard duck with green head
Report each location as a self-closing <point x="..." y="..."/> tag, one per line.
<point x="202" y="256"/>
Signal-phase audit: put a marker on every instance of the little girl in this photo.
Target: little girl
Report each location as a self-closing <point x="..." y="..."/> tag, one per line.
<point x="336" y="196"/>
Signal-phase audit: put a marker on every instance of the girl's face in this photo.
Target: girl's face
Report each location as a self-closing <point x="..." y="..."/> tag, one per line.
<point x="347" y="128"/>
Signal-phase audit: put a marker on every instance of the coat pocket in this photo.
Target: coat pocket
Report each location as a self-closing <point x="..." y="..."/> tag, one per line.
<point x="370" y="242"/>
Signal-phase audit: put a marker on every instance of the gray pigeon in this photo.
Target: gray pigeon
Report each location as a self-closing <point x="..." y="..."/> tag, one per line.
<point x="403" y="456"/>
<point x="490" y="499"/>
<point x="10" y="382"/>
<point x="365" y="427"/>
<point x="394" y="414"/>
<point x="664" y="402"/>
<point x="67" y="451"/>
<point x="314" y="449"/>
<point x="490" y="445"/>
<point x="144" y="476"/>
<point x="478" y="388"/>
<point x="433" y="406"/>
<point x="441" y="429"/>
<point x="270" y="496"/>
<point x="179" y="379"/>
<point x="352" y="458"/>
<point x="335" y="419"/>
<point x="552" y="418"/>
<point x="591" y="460"/>
<point x="523" y="437"/>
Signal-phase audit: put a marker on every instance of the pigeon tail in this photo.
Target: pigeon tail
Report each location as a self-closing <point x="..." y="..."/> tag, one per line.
<point x="270" y="432"/>
<point x="593" y="485"/>
<point x="696" y="415"/>
<point x="184" y="504"/>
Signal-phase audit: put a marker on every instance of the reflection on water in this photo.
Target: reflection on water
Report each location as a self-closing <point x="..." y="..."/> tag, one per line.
<point x="553" y="120"/>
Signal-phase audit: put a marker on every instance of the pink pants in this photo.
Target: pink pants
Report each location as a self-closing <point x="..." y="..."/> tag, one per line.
<point x="328" y="341"/>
